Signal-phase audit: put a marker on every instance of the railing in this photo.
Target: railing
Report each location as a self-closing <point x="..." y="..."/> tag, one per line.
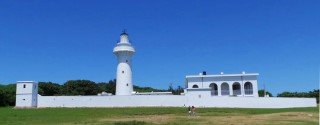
<point x="248" y="91"/>
<point x="225" y="92"/>
<point x="236" y="92"/>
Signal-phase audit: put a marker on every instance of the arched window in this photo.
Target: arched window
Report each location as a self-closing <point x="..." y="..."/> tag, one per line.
<point x="195" y="86"/>
<point x="214" y="89"/>
<point x="225" y="89"/>
<point x="236" y="88"/>
<point x="24" y="85"/>
<point x="248" y="89"/>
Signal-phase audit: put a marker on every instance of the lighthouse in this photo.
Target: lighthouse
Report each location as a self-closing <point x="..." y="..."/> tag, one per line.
<point x="124" y="51"/>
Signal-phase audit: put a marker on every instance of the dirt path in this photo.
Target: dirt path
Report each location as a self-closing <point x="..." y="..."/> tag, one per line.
<point x="274" y="118"/>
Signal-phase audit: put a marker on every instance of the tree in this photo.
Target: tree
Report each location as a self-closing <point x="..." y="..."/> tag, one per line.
<point x="2" y="98"/>
<point x="315" y="93"/>
<point x="111" y="86"/>
<point x="102" y="86"/>
<point x="174" y="91"/>
<point x="261" y="93"/>
<point x="49" y="89"/>
<point x="170" y="89"/>
<point x="179" y="90"/>
<point x="8" y="95"/>
<point x="146" y="89"/>
<point x="80" y="87"/>
<point x="11" y="91"/>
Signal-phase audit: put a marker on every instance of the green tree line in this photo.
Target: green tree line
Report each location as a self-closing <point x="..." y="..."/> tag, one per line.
<point x="7" y="95"/>
<point x="261" y="93"/>
<point x="71" y="87"/>
<point x="85" y="87"/>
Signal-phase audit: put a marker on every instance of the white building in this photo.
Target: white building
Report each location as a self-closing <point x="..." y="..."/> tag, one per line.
<point x="26" y="94"/>
<point x="124" y="51"/>
<point x="222" y="90"/>
<point x="244" y="84"/>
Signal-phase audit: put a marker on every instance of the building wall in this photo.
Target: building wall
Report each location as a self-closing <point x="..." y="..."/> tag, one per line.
<point x="204" y="82"/>
<point x="200" y="97"/>
<point x="174" y="101"/>
<point x="111" y="101"/>
<point x="26" y="94"/>
<point x="24" y="100"/>
<point x="25" y="87"/>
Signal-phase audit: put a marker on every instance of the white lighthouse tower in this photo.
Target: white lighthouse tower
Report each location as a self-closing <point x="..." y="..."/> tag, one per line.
<point x="124" y="51"/>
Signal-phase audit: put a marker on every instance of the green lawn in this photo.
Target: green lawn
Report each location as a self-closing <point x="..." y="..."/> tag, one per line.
<point x="152" y="115"/>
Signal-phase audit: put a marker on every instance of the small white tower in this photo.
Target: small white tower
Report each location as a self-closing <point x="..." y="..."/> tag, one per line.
<point x="26" y="94"/>
<point x="124" y="51"/>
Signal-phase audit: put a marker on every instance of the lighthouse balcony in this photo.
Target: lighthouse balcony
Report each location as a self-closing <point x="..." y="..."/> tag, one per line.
<point x="123" y="47"/>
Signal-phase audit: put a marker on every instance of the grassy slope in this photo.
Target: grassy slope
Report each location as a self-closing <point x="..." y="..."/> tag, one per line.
<point x="94" y="115"/>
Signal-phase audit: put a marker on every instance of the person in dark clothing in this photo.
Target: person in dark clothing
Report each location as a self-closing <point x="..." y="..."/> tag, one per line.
<point x="193" y="110"/>
<point x="189" y="110"/>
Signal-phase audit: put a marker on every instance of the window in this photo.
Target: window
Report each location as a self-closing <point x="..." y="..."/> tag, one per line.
<point x="236" y="87"/>
<point x="24" y="85"/>
<point x="126" y="60"/>
<point x="23" y="99"/>
<point x="122" y="71"/>
<point x="225" y="89"/>
<point x="195" y="86"/>
<point x="248" y="89"/>
<point x="127" y="84"/>
<point x="214" y="89"/>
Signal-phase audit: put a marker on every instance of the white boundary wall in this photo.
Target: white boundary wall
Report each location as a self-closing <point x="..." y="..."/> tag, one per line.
<point x="173" y="101"/>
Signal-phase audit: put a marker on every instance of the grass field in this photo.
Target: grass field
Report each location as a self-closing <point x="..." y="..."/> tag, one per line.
<point x="150" y="116"/>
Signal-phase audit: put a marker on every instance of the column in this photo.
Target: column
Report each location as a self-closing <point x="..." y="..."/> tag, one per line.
<point x="219" y="89"/>
<point x="242" y="88"/>
<point x="230" y="89"/>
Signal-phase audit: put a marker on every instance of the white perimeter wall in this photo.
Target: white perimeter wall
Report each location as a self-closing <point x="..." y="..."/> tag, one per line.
<point x="174" y="101"/>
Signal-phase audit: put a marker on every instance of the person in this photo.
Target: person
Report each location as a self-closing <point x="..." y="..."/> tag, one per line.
<point x="193" y="111"/>
<point x="189" y="110"/>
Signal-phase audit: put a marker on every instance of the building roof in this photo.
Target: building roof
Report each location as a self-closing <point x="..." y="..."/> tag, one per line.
<point x="124" y="32"/>
<point x="222" y="75"/>
<point x="25" y="81"/>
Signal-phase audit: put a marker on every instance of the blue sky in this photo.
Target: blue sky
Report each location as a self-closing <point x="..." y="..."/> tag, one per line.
<point x="46" y="40"/>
